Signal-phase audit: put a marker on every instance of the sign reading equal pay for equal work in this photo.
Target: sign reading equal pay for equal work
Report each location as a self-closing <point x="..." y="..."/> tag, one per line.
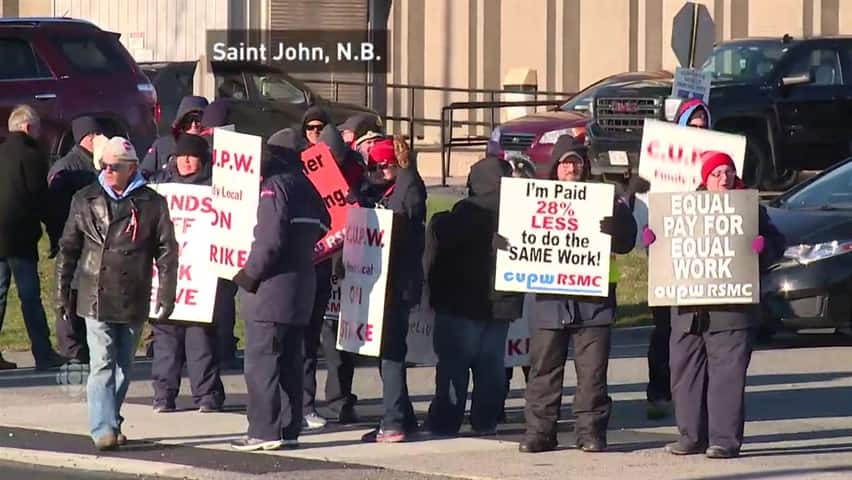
<point x="555" y="242"/>
<point x="703" y="253"/>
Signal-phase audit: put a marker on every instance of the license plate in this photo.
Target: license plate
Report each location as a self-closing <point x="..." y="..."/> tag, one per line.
<point x="618" y="159"/>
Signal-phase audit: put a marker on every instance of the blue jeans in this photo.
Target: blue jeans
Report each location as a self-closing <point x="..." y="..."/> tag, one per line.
<point x="464" y="345"/>
<point x="25" y="272"/>
<point x="112" y="347"/>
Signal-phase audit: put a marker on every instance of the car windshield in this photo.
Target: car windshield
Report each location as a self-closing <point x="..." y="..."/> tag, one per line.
<point x="832" y="190"/>
<point x="581" y="101"/>
<point x="275" y="87"/>
<point x="744" y="61"/>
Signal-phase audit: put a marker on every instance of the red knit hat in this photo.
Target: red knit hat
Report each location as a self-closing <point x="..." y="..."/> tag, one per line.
<point x="383" y="154"/>
<point x="712" y="159"/>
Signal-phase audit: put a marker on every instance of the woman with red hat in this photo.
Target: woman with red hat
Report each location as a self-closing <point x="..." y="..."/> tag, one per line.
<point x="711" y="345"/>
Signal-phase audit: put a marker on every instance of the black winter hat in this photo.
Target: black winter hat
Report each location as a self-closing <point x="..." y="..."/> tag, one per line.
<point x="189" y="104"/>
<point x="567" y="145"/>
<point x="82" y="126"/>
<point x="315" y="113"/>
<point x="192" y="145"/>
<point x="484" y="177"/>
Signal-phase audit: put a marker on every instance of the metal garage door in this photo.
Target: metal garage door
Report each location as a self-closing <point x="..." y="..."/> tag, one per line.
<point x="324" y="15"/>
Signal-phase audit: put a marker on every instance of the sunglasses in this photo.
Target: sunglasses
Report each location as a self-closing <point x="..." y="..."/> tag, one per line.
<point x="114" y="167"/>
<point x="190" y="119"/>
<point x="315" y="127"/>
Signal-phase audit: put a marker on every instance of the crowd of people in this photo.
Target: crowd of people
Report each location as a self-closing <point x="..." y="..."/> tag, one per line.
<point x="107" y="227"/>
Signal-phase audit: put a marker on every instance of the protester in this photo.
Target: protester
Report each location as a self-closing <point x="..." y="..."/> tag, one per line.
<point x="23" y="207"/>
<point x="277" y="288"/>
<point x="313" y="122"/>
<point x="586" y="321"/>
<point x="116" y="230"/>
<point x="340" y="365"/>
<point x="691" y="113"/>
<point x="184" y="344"/>
<point x="471" y="318"/>
<point x="357" y="126"/>
<point x="402" y="191"/>
<point x="711" y="345"/>
<point x="68" y="175"/>
<point x="187" y="120"/>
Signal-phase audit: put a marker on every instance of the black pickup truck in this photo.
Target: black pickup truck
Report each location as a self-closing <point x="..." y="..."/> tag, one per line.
<point x="791" y="98"/>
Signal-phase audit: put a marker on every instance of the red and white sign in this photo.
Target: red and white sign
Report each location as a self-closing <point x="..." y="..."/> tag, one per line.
<point x="236" y="191"/>
<point x="670" y="158"/>
<point x="322" y="170"/>
<point x="366" y="255"/>
<point x="194" y="218"/>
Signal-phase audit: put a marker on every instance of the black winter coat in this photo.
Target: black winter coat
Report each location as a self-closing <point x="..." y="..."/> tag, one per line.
<point x="719" y="318"/>
<point x="278" y="282"/>
<point x="158" y="155"/>
<point x="66" y="177"/>
<point x="558" y="311"/>
<point x="114" y="267"/>
<point x="23" y="191"/>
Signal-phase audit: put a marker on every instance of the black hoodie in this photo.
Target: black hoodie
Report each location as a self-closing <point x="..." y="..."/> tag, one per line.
<point x="462" y="259"/>
<point x="348" y="160"/>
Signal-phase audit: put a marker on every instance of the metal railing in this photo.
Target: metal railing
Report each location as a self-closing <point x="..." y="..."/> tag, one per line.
<point x="446" y="122"/>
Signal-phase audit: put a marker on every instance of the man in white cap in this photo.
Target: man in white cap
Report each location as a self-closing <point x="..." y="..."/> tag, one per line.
<point x="117" y="228"/>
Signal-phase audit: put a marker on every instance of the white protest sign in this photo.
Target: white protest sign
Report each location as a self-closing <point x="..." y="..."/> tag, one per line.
<point x="692" y="83"/>
<point x="703" y="253"/>
<point x="236" y="191"/>
<point x="332" y="310"/>
<point x="555" y="242"/>
<point x="670" y="158"/>
<point x="193" y="216"/>
<point x="366" y="255"/>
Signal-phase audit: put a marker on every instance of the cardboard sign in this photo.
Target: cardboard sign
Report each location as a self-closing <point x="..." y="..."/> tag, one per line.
<point x="555" y="242"/>
<point x="692" y="83"/>
<point x="194" y="218"/>
<point x="236" y="191"/>
<point x="366" y="255"/>
<point x="322" y="170"/>
<point x="671" y="155"/>
<point x="703" y="254"/>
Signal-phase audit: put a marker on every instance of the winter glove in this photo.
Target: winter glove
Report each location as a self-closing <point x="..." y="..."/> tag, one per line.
<point x="648" y="237"/>
<point x="757" y="244"/>
<point x="164" y="312"/>
<point x="636" y="185"/>
<point x="608" y="226"/>
<point x="244" y="281"/>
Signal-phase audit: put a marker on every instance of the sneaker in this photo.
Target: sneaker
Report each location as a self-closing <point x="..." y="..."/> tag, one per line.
<point x="313" y="421"/>
<point x="106" y="442"/>
<point x="248" y="444"/>
<point x="383" y="436"/>
<point x="52" y="361"/>
<point x="164" y="408"/>
<point x="209" y="409"/>
<point x="289" y="443"/>
<point x="721" y="452"/>
<point x="347" y="415"/>
<point x="657" y="410"/>
<point x="7" y="365"/>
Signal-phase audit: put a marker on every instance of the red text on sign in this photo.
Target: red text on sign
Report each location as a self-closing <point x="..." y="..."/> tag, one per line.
<point x="228" y="256"/>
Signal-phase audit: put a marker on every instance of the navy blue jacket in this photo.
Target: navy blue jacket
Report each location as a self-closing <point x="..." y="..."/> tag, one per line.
<point x="278" y="282"/>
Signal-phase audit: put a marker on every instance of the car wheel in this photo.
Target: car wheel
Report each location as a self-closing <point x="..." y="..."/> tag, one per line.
<point x="756" y="162"/>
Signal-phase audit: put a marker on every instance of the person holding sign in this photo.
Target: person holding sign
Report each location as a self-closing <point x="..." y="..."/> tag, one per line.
<point x="693" y="113"/>
<point x="711" y="345"/>
<point x="403" y="192"/>
<point x="117" y="229"/>
<point x="586" y="321"/>
<point x="277" y="288"/>
<point x="179" y="345"/>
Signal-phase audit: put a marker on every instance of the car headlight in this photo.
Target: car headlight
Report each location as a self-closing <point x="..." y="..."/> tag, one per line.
<point x="495" y="135"/>
<point x="553" y="135"/>
<point x="806" y="254"/>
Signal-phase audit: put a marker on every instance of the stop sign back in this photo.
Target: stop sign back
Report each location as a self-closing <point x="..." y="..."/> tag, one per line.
<point x="693" y="34"/>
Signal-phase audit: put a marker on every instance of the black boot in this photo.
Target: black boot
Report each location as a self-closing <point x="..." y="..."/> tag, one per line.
<point x="537" y="444"/>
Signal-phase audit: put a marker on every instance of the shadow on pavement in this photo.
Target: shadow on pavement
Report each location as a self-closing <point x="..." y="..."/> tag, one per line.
<point x="789" y="473"/>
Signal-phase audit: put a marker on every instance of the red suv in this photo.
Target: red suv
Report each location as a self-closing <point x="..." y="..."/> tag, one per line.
<point x="66" y="68"/>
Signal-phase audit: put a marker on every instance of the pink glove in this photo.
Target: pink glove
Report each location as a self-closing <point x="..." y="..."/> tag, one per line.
<point x="757" y="244"/>
<point x="648" y="236"/>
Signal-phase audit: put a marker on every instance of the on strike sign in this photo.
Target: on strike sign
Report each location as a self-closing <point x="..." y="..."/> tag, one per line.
<point x="236" y="191"/>
<point x="555" y="242"/>
<point x="366" y="255"/>
<point x="703" y="253"/>
<point x="191" y="210"/>
<point x="670" y="158"/>
<point x="322" y="170"/>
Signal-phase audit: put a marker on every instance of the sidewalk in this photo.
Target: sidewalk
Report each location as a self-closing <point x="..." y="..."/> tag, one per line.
<point x="798" y="407"/>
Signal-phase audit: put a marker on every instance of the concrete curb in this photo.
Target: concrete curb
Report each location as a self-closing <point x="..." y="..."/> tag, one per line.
<point x="106" y="464"/>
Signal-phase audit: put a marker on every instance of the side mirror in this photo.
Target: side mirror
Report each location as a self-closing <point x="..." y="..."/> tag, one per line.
<point x="801" y="79"/>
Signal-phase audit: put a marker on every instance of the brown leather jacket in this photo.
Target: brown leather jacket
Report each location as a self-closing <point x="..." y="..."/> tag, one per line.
<point x="115" y="258"/>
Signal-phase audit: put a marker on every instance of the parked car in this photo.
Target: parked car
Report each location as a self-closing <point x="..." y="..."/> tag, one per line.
<point x="791" y="98"/>
<point x="265" y="99"/>
<point x="532" y="137"/>
<point x="811" y="287"/>
<point x="66" y="68"/>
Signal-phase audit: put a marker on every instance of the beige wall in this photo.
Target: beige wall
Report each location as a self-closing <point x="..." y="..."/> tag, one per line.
<point x="605" y="43"/>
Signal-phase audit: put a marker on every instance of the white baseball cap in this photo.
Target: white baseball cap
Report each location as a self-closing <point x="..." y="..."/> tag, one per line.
<point x="121" y="149"/>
